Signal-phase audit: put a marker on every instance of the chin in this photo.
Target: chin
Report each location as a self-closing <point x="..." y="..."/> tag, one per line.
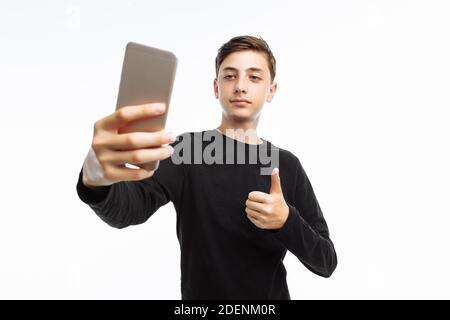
<point x="241" y="116"/>
<point x="240" y="113"/>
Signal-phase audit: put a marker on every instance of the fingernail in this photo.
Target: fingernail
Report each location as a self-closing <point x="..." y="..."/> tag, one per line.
<point x="159" y="108"/>
<point x="171" y="136"/>
<point x="170" y="150"/>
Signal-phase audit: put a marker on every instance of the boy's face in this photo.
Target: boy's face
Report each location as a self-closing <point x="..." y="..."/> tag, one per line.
<point x="244" y="75"/>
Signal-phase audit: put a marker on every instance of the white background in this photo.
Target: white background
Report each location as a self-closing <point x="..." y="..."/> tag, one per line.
<point x="363" y="101"/>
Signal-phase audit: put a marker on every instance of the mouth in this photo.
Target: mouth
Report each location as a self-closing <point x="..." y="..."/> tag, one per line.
<point x="240" y="102"/>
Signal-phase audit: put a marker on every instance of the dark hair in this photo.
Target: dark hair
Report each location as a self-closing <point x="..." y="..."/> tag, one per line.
<point x="242" y="43"/>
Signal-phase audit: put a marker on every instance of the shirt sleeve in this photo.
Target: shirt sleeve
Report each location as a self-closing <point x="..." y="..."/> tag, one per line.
<point x="305" y="232"/>
<point x="128" y="203"/>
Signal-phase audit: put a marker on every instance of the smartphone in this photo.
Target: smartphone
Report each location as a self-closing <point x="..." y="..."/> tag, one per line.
<point x="148" y="76"/>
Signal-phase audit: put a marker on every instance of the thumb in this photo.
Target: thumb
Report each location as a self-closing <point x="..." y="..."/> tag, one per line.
<point x="275" y="186"/>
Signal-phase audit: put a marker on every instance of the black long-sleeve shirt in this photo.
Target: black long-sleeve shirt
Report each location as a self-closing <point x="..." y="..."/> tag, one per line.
<point x="223" y="254"/>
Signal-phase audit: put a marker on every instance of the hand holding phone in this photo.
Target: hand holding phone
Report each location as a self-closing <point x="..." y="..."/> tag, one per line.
<point x="135" y="133"/>
<point x="106" y="161"/>
<point x="148" y="75"/>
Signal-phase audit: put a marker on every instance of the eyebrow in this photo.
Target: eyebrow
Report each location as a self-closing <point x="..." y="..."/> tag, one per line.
<point x="249" y="69"/>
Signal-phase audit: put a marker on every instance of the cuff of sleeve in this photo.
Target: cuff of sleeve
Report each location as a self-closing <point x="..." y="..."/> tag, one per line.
<point x="293" y="220"/>
<point x="90" y="195"/>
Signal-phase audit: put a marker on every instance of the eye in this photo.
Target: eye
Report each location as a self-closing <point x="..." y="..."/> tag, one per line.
<point x="255" y="78"/>
<point x="228" y="76"/>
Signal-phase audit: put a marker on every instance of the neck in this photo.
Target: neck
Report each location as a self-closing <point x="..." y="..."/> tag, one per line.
<point x="241" y="131"/>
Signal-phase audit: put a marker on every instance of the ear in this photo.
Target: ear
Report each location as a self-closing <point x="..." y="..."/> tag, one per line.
<point x="272" y="90"/>
<point x="216" y="89"/>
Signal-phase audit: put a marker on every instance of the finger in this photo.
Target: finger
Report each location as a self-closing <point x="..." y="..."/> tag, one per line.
<point x="130" y="113"/>
<point x="259" y="196"/>
<point x="122" y="173"/>
<point x="253" y="214"/>
<point x="149" y="166"/>
<point x="257" y="206"/>
<point x="136" y="156"/>
<point x="275" y="184"/>
<point x="135" y="140"/>
<point x="254" y="221"/>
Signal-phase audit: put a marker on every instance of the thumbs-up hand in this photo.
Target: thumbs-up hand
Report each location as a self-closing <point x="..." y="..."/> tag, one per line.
<point x="268" y="210"/>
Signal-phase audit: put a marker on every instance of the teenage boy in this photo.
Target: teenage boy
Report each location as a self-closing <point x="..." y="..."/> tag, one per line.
<point x="236" y="218"/>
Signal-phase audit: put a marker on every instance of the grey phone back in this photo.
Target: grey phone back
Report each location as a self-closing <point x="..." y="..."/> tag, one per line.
<point x="148" y="75"/>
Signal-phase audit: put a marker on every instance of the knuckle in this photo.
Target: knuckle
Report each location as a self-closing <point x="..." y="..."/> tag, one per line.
<point x="101" y="158"/>
<point x="97" y="125"/>
<point x="136" y="156"/>
<point x="144" y="108"/>
<point x="107" y="174"/>
<point x="97" y="143"/>
<point x="131" y="140"/>
<point x="121" y="114"/>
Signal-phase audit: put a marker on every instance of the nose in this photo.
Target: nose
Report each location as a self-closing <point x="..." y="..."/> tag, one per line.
<point x="240" y="87"/>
